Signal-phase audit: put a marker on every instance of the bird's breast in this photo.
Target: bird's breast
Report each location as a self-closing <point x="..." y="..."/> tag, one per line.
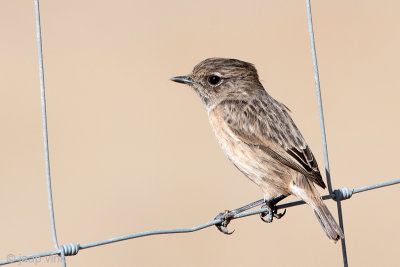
<point x="257" y="165"/>
<point x="243" y="156"/>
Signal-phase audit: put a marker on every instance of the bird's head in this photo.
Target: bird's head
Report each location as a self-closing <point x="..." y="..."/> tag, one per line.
<point x="217" y="79"/>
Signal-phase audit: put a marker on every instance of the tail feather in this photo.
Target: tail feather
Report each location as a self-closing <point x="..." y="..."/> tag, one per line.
<point x="328" y="223"/>
<point x="305" y="189"/>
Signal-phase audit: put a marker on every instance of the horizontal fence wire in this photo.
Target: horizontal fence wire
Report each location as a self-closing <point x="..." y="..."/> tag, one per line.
<point x="73" y="248"/>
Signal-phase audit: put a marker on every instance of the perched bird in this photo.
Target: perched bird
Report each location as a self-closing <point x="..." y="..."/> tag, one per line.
<point x="257" y="134"/>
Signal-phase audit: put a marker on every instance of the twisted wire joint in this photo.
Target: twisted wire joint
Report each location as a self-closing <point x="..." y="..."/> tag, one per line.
<point x="343" y="194"/>
<point x="70" y="249"/>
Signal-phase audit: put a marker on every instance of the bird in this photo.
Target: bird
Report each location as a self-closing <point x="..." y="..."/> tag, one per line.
<point x="258" y="135"/>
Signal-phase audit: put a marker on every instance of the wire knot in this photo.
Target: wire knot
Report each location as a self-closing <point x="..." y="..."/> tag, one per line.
<point x="70" y="249"/>
<point x="343" y="194"/>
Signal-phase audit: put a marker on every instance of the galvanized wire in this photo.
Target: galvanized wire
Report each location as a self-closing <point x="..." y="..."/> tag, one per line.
<point x="44" y="128"/>
<point x="73" y="248"/>
<point x="322" y="126"/>
<point x="319" y="98"/>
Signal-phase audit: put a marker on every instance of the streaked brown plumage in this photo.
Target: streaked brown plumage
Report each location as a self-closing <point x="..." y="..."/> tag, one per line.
<point x="258" y="135"/>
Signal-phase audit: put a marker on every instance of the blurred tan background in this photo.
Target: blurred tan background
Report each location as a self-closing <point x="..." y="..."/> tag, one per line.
<point x="132" y="151"/>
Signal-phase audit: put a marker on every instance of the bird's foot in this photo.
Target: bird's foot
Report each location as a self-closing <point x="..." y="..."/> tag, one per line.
<point x="226" y="218"/>
<point x="271" y="213"/>
<point x="228" y="215"/>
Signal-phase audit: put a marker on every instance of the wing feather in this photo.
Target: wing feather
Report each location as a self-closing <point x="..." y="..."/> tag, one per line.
<point x="266" y="123"/>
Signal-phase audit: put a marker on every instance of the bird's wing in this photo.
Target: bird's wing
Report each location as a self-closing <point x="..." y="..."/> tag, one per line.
<point x="267" y="124"/>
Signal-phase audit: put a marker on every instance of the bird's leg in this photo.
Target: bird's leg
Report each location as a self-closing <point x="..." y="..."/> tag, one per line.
<point x="227" y="215"/>
<point x="272" y="211"/>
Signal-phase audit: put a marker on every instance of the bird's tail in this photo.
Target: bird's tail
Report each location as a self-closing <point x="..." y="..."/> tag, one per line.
<point x="326" y="220"/>
<point x="306" y="190"/>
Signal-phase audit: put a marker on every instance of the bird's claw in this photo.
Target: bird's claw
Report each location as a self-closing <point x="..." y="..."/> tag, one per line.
<point x="271" y="213"/>
<point x="226" y="218"/>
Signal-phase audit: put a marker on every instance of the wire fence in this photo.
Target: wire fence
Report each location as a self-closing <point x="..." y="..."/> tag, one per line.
<point x="73" y="248"/>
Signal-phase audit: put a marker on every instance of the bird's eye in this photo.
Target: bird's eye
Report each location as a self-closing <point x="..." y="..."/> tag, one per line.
<point x="214" y="79"/>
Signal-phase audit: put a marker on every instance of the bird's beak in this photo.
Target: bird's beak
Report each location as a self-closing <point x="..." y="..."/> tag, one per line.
<point x="182" y="79"/>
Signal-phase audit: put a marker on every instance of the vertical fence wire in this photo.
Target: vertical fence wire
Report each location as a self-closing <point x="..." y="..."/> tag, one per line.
<point x="44" y="128"/>
<point x="322" y="126"/>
